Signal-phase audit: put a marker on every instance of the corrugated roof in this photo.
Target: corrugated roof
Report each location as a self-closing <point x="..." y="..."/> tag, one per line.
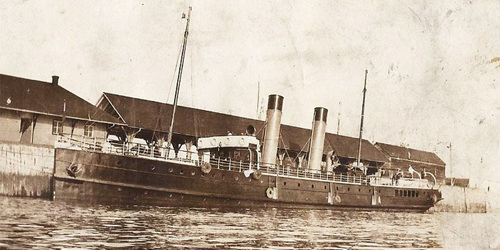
<point x="156" y="116"/>
<point x="410" y="154"/>
<point x="139" y="113"/>
<point x="46" y="98"/>
<point x="347" y="147"/>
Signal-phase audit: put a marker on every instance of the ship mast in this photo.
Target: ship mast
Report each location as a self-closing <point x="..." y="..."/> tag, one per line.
<point x="179" y="77"/>
<point x="361" y="126"/>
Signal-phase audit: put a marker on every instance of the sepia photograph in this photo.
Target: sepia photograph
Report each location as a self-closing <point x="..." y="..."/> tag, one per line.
<point x="323" y="124"/>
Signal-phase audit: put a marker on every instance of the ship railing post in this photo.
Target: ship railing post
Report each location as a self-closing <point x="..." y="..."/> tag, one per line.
<point x="240" y="166"/>
<point x="218" y="163"/>
<point x="229" y="164"/>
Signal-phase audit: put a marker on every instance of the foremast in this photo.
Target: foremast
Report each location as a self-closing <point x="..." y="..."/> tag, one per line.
<point x="179" y="77"/>
<point x="358" y="159"/>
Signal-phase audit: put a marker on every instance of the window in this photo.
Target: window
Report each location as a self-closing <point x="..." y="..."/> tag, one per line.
<point x="88" y="131"/>
<point x="57" y="127"/>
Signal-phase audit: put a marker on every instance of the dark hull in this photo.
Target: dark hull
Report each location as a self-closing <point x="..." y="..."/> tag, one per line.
<point x="115" y="179"/>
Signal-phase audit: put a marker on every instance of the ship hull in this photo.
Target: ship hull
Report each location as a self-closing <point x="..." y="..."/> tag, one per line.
<point x="96" y="177"/>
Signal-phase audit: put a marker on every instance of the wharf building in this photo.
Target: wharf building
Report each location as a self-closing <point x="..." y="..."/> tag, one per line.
<point x="405" y="158"/>
<point x="33" y="115"/>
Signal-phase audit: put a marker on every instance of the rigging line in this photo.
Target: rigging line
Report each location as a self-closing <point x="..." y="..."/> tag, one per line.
<point x="260" y="129"/>
<point x="302" y="149"/>
<point x="158" y="117"/>
<point x="175" y="70"/>
<point x="195" y="111"/>
<point x="284" y="146"/>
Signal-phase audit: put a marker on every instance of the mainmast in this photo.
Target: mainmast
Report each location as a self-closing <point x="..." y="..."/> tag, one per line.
<point x="361" y="126"/>
<point x="179" y="76"/>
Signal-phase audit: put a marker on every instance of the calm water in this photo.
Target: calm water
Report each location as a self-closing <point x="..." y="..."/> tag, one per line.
<point x="41" y="224"/>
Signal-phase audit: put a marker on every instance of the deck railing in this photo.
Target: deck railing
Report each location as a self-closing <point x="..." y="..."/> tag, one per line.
<point x="126" y="148"/>
<point x="240" y="166"/>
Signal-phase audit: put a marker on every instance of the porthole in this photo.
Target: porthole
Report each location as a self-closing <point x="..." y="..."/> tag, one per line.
<point x="337" y="188"/>
<point x="348" y="189"/>
<point x="170" y="170"/>
<point x="181" y="172"/>
<point x="192" y="173"/>
<point x="298" y="184"/>
<point x="213" y="175"/>
<point x="359" y="190"/>
<point x="325" y="187"/>
<point x="312" y="186"/>
<point x="152" y="168"/>
<point x="284" y="183"/>
<point x="236" y="178"/>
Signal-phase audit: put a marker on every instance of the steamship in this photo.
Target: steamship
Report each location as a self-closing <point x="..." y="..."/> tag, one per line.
<point x="230" y="171"/>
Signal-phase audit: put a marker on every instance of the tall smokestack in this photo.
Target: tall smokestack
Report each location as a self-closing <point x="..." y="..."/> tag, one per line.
<point x="272" y="135"/>
<point x="55" y="80"/>
<point x="317" y="139"/>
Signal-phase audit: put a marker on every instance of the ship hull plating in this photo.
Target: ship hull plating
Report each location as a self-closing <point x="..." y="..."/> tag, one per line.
<point x="96" y="177"/>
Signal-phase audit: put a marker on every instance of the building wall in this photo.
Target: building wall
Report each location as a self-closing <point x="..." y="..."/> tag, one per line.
<point x="10" y="122"/>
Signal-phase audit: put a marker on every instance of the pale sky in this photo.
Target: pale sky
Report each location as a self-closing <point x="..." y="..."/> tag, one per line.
<point x="433" y="65"/>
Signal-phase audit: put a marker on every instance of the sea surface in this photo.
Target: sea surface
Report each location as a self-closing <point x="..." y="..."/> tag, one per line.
<point x="43" y="224"/>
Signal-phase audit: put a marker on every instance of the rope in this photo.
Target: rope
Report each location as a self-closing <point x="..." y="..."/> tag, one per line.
<point x="302" y="149"/>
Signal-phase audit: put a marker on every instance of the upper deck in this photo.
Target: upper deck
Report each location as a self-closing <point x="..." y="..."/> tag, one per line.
<point x="201" y="155"/>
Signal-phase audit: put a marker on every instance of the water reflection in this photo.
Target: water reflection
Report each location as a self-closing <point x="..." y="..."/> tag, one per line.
<point x="40" y="224"/>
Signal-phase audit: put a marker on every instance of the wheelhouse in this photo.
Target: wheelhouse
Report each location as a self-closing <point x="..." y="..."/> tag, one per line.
<point x="232" y="148"/>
